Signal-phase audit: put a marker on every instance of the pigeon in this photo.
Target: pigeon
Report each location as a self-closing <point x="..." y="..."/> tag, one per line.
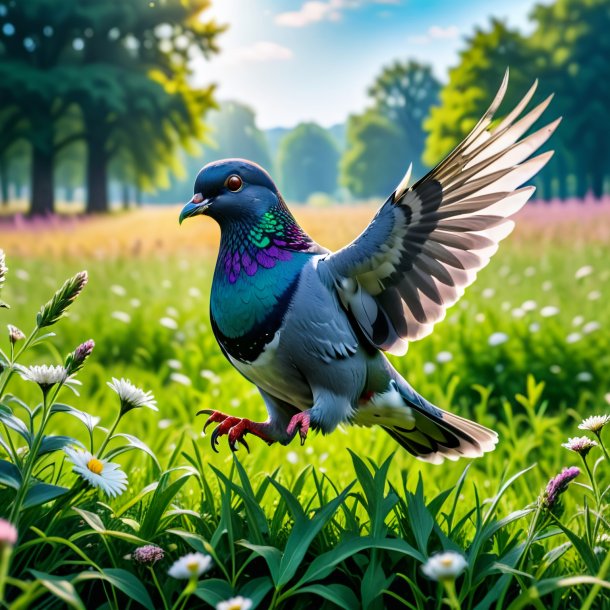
<point x="310" y="327"/>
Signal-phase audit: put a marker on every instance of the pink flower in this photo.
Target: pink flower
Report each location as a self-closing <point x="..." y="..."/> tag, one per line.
<point x="8" y="533"/>
<point x="557" y="485"/>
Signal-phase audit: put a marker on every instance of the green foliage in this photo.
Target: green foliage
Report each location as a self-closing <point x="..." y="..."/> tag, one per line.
<point x="382" y="141"/>
<point x="289" y="527"/>
<point x="374" y="161"/>
<point x="307" y="161"/>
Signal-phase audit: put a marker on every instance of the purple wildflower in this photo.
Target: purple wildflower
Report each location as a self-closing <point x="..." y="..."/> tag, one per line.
<point x="557" y="485"/>
<point x="148" y="555"/>
<point x="75" y="360"/>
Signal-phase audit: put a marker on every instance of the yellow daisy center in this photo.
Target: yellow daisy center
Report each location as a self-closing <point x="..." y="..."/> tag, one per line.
<point x="234" y="606"/>
<point x="447" y="562"/>
<point x="95" y="466"/>
<point x="192" y="566"/>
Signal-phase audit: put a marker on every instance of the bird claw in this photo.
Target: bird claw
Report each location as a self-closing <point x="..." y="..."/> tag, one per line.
<point x="235" y="428"/>
<point x="301" y="422"/>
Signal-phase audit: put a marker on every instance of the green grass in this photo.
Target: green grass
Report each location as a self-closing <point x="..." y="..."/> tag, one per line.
<point x="287" y="526"/>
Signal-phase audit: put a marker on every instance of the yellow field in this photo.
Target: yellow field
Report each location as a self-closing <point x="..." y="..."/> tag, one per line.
<point x="155" y="230"/>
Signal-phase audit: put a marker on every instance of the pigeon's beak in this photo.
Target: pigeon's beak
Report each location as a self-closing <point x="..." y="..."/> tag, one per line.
<point x="197" y="205"/>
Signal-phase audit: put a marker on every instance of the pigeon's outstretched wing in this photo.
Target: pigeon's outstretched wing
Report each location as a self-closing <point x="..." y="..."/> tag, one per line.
<point x="427" y="242"/>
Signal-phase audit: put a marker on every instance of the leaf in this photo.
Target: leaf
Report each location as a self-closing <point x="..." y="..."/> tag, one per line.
<point x="270" y="554"/>
<point x="55" y="443"/>
<point x="94" y="521"/>
<point x="61" y="588"/>
<point x="14" y="423"/>
<point x="213" y="591"/>
<point x="134" y="442"/>
<point x="124" y="581"/>
<point x="256" y="590"/>
<point x="9" y="475"/>
<point x="419" y="516"/>
<point x="40" y="493"/>
<point x="302" y="535"/>
<point x="339" y="595"/>
<point x="89" y="420"/>
<point x="323" y="565"/>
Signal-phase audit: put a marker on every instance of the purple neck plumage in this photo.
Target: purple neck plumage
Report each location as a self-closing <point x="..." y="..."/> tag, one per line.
<point x="249" y="245"/>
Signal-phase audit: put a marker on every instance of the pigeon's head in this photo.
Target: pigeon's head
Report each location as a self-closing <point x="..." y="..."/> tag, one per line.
<point x="232" y="189"/>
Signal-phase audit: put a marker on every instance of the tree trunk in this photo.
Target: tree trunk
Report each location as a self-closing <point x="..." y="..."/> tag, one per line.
<point x="42" y="190"/>
<point x="125" y="196"/>
<point x="4" y="181"/>
<point x="97" y="169"/>
<point x="597" y="182"/>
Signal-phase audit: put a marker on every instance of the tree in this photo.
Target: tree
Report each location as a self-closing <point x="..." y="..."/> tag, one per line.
<point x="573" y="49"/>
<point x="308" y="161"/>
<point x="473" y="84"/>
<point x="404" y="92"/>
<point x="376" y="155"/>
<point x="99" y="56"/>
<point x="234" y="134"/>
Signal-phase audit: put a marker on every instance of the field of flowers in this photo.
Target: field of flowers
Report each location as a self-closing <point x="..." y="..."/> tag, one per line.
<point x="111" y="497"/>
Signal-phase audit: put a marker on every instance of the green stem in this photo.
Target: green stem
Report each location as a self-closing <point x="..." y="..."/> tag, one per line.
<point x="5" y="560"/>
<point x="186" y="593"/>
<point x="11" y="369"/>
<point x="159" y="588"/>
<point x="109" y="435"/>
<point x="601" y="444"/>
<point x="452" y="598"/>
<point x="597" y="499"/>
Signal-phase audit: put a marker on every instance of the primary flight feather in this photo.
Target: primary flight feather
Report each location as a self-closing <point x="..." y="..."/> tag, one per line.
<point x="309" y="327"/>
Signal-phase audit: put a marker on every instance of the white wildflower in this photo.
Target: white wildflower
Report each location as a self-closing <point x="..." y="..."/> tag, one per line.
<point x="518" y="312"/>
<point x="594" y="295"/>
<point x="577" y="320"/>
<point x="548" y="311"/>
<point x="173" y="363"/>
<point x="497" y="339"/>
<point x="292" y="457"/>
<point x="45" y="376"/>
<point x="591" y="327"/>
<point x="555" y="369"/>
<point x="444" y="357"/>
<point x="169" y="323"/>
<point x="594" y="423"/>
<point x="235" y="603"/>
<point x="118" y="290"/>
<point x="583" y="272"/>
<point x="584" y="377"/>
<point x="488" y="293"/>
<point x="534" y="327"/>
<point x="99" y="473"/>
<point x="573" y="337"/>
<point x="180" y="378"/>
<point x="581" y="445"/>
<point x="135" y="303"/>
<point x="529" y="305"/>
<point x="445" y="566"/>
<point x="529" y="271"/>
<point x="429" y="368"/>
<point x="194" y="292"/>
<point x="132" y="397"/>
<point x="191" y="565"/>
<point x="121" y="316"/>
<point x="546" y="286"/>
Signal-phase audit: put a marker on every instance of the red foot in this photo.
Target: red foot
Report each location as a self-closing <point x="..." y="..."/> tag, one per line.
<point x="235" y="428"/>
<point x="299" y="422"/>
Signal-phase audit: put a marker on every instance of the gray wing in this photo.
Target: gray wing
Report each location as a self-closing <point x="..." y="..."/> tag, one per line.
<point x="427" y="243"/>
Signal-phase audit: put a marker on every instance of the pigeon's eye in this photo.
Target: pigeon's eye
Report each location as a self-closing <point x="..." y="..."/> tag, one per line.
<point x="234" y="183"/>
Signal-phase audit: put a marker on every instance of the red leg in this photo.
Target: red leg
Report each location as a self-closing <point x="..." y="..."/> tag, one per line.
<point x="300" y="422"/>
<point x="235" y="428"/>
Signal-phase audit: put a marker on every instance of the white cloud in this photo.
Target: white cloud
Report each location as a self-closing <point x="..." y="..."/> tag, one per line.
<point x="263" y="50"/>
<point x="258" y="52"/>
<point x="314" y="11"/>
<point x="436" y="32"/>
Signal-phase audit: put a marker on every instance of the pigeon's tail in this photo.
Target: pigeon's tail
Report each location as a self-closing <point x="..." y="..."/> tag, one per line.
<point x="435" y="435"/>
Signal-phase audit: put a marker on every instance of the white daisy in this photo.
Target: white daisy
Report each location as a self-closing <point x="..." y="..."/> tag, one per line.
<point x="444" y="357"/>
<point x="573" y="337"/>
<point x="180" y="378"/>
<point x="118" y="290"/>
<point x="445" y="566"/>
<point x="169" y="323"/>
<point x="594" y="423"/>
<point x="99" y="473"/>
<point x="581" y="445"/>
<point x="590" y="327"/>
<point x="583" y="272"/>
<point x="548" y="311"/>
<point x="235" y="603"/>
<point x="45" y="376"/>
<point x="121" y="316"/>
<point x="191" y="565"/>
<point x="132" y="397"/>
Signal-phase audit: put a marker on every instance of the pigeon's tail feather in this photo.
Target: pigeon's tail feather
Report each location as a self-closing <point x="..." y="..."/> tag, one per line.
<point x="436" y="435"/>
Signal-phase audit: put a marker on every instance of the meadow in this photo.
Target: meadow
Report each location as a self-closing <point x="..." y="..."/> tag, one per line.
<point x="344" y="521"/>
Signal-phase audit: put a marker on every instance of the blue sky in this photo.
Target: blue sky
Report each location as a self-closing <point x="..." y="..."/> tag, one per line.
<point x="300" y="60"/>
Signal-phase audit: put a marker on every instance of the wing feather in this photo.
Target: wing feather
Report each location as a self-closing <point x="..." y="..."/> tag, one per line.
<point x="427" y="242"/>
